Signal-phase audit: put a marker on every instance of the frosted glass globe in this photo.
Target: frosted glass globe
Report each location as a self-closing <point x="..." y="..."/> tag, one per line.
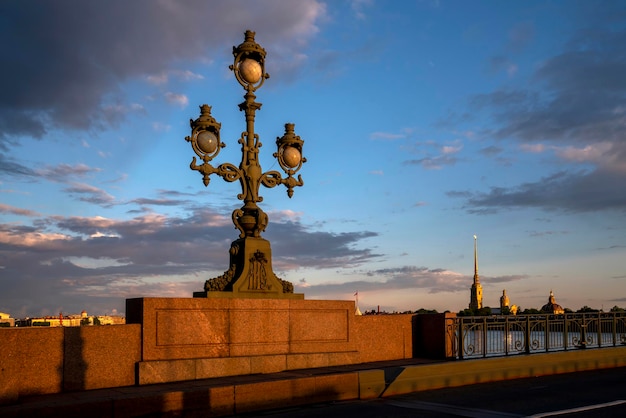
<point x="291" y="157"/>
<point x="207" y="142"/>
<point x="250" y="70"/>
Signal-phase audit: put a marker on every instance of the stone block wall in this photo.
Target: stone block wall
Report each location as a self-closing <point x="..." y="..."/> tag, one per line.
<point x="31" y="361"/>
<point x="384" y="337"/>
<point x="100" y="356"/>
<point x="255" y="336"/>
<point x="52" y="360"/>
<point x="191" y="328"/>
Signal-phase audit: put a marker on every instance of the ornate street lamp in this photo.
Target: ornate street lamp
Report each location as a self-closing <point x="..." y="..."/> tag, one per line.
<point x="250" y="273"/>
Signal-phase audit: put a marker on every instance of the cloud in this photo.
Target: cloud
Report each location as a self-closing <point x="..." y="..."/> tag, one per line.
<point x="608" y="156"/>
<point x="164" y="76"/>
<point x="286" y="215"/>
<point x="504" y="279"/>
<point x="491" y="151"/>
<point x="359" y="6"/>
<point x="157" y="202"/>
<point x="62" y="172"/>
<point x="23" y="237"/>
<point x="16" y="211"/>
<point x="437" y="155"/>
<point x="8" y="167"/>
<point x="88" y="50"/>
<point x="386" y="136"/>
<point x="589" y="191"/>
<point x="544" y="233"/>
<point x="447" y="149"/>
<point x="158" y="79"/>
<point x="520" y="36"/>
<point x="578" y="96"/>
<point x="95" y="262"/>
<point x="91" y="194"/>
<point x="533" y="148"/>
<point x="161" y="127"/>
<point x="499" y="64"/>
<point x="574" y="107"/>
<point x="177" y="99"/>
<point x="316" y="249"/>
<point x="403" y="278"/>
<point x="433" y="163"/>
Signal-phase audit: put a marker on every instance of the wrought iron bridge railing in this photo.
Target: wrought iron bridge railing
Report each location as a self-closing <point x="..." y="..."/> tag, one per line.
<point x="490" y="336"/>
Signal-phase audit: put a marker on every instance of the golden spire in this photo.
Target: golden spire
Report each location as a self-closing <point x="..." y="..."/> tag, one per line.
<point x="476" y="297"/>
<point x="476" y="277"/>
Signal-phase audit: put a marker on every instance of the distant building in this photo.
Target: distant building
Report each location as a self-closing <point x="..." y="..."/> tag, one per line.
<point x="57" y="321"/>
<point x="6" y="320"/>
<point x="505" y="304"/>
<point x="504" y="300"/>
<point x="552" y="307"/>
<point x="476" y="297"/>
<point x="71" y="320"/>
<point x="110" y="320"/>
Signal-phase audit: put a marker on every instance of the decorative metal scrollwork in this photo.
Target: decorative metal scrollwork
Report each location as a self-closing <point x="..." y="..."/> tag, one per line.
<point x="534" y="344"/>
<point x="250" y="220"/>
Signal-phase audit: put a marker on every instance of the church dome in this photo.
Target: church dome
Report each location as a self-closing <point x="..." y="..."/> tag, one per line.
<point x="552" y="307"/>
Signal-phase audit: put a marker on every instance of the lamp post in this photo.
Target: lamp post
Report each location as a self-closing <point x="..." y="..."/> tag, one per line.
<point x="250" y="272"/>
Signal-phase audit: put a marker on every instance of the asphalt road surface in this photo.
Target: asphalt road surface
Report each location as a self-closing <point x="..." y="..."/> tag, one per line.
<point x="598" y="393"/>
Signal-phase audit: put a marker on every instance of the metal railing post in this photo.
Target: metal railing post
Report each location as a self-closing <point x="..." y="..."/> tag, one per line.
<point x="484" y="335"/>
<point x="614" y="329"/>
<point x="599" y="329"/>
<point x="583" y="332"/>
<point x="565" y="326"/>
<point x="506" y="336"/>
<point x="527" y="335"/>
<point x="461" y="339"/>
<point x="546" y="333"/>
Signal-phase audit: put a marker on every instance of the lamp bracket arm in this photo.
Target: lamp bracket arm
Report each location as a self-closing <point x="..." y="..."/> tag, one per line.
<point x="230" y="173"/>
<point x="271" y="179"/>
<point x="205" y="169"/>
<point x="291" y="182"/>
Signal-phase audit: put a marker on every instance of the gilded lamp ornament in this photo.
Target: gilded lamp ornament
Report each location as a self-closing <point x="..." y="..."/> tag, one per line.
<point x="250" y="273"/>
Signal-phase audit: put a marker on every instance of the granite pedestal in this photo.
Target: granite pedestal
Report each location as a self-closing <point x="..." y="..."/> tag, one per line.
<point x="199" y="338"/>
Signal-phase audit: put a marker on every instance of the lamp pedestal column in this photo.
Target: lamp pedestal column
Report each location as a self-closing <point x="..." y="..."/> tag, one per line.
<point x="250" y="274"/>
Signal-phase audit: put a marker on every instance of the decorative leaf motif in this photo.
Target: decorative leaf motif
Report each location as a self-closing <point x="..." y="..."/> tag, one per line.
<point x="271" y="179"/>
<point x="229" y="172"/>
<point x="237" y="213"/>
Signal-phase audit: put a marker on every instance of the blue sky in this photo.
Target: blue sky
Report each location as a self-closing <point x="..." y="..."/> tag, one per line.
<point x="425" y="122"/>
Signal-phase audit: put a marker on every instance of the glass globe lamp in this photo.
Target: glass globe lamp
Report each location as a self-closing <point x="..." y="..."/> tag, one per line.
<point x="250" y="70"/>
<point x="207" y="142"/>
<point x="291" y="157"/>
